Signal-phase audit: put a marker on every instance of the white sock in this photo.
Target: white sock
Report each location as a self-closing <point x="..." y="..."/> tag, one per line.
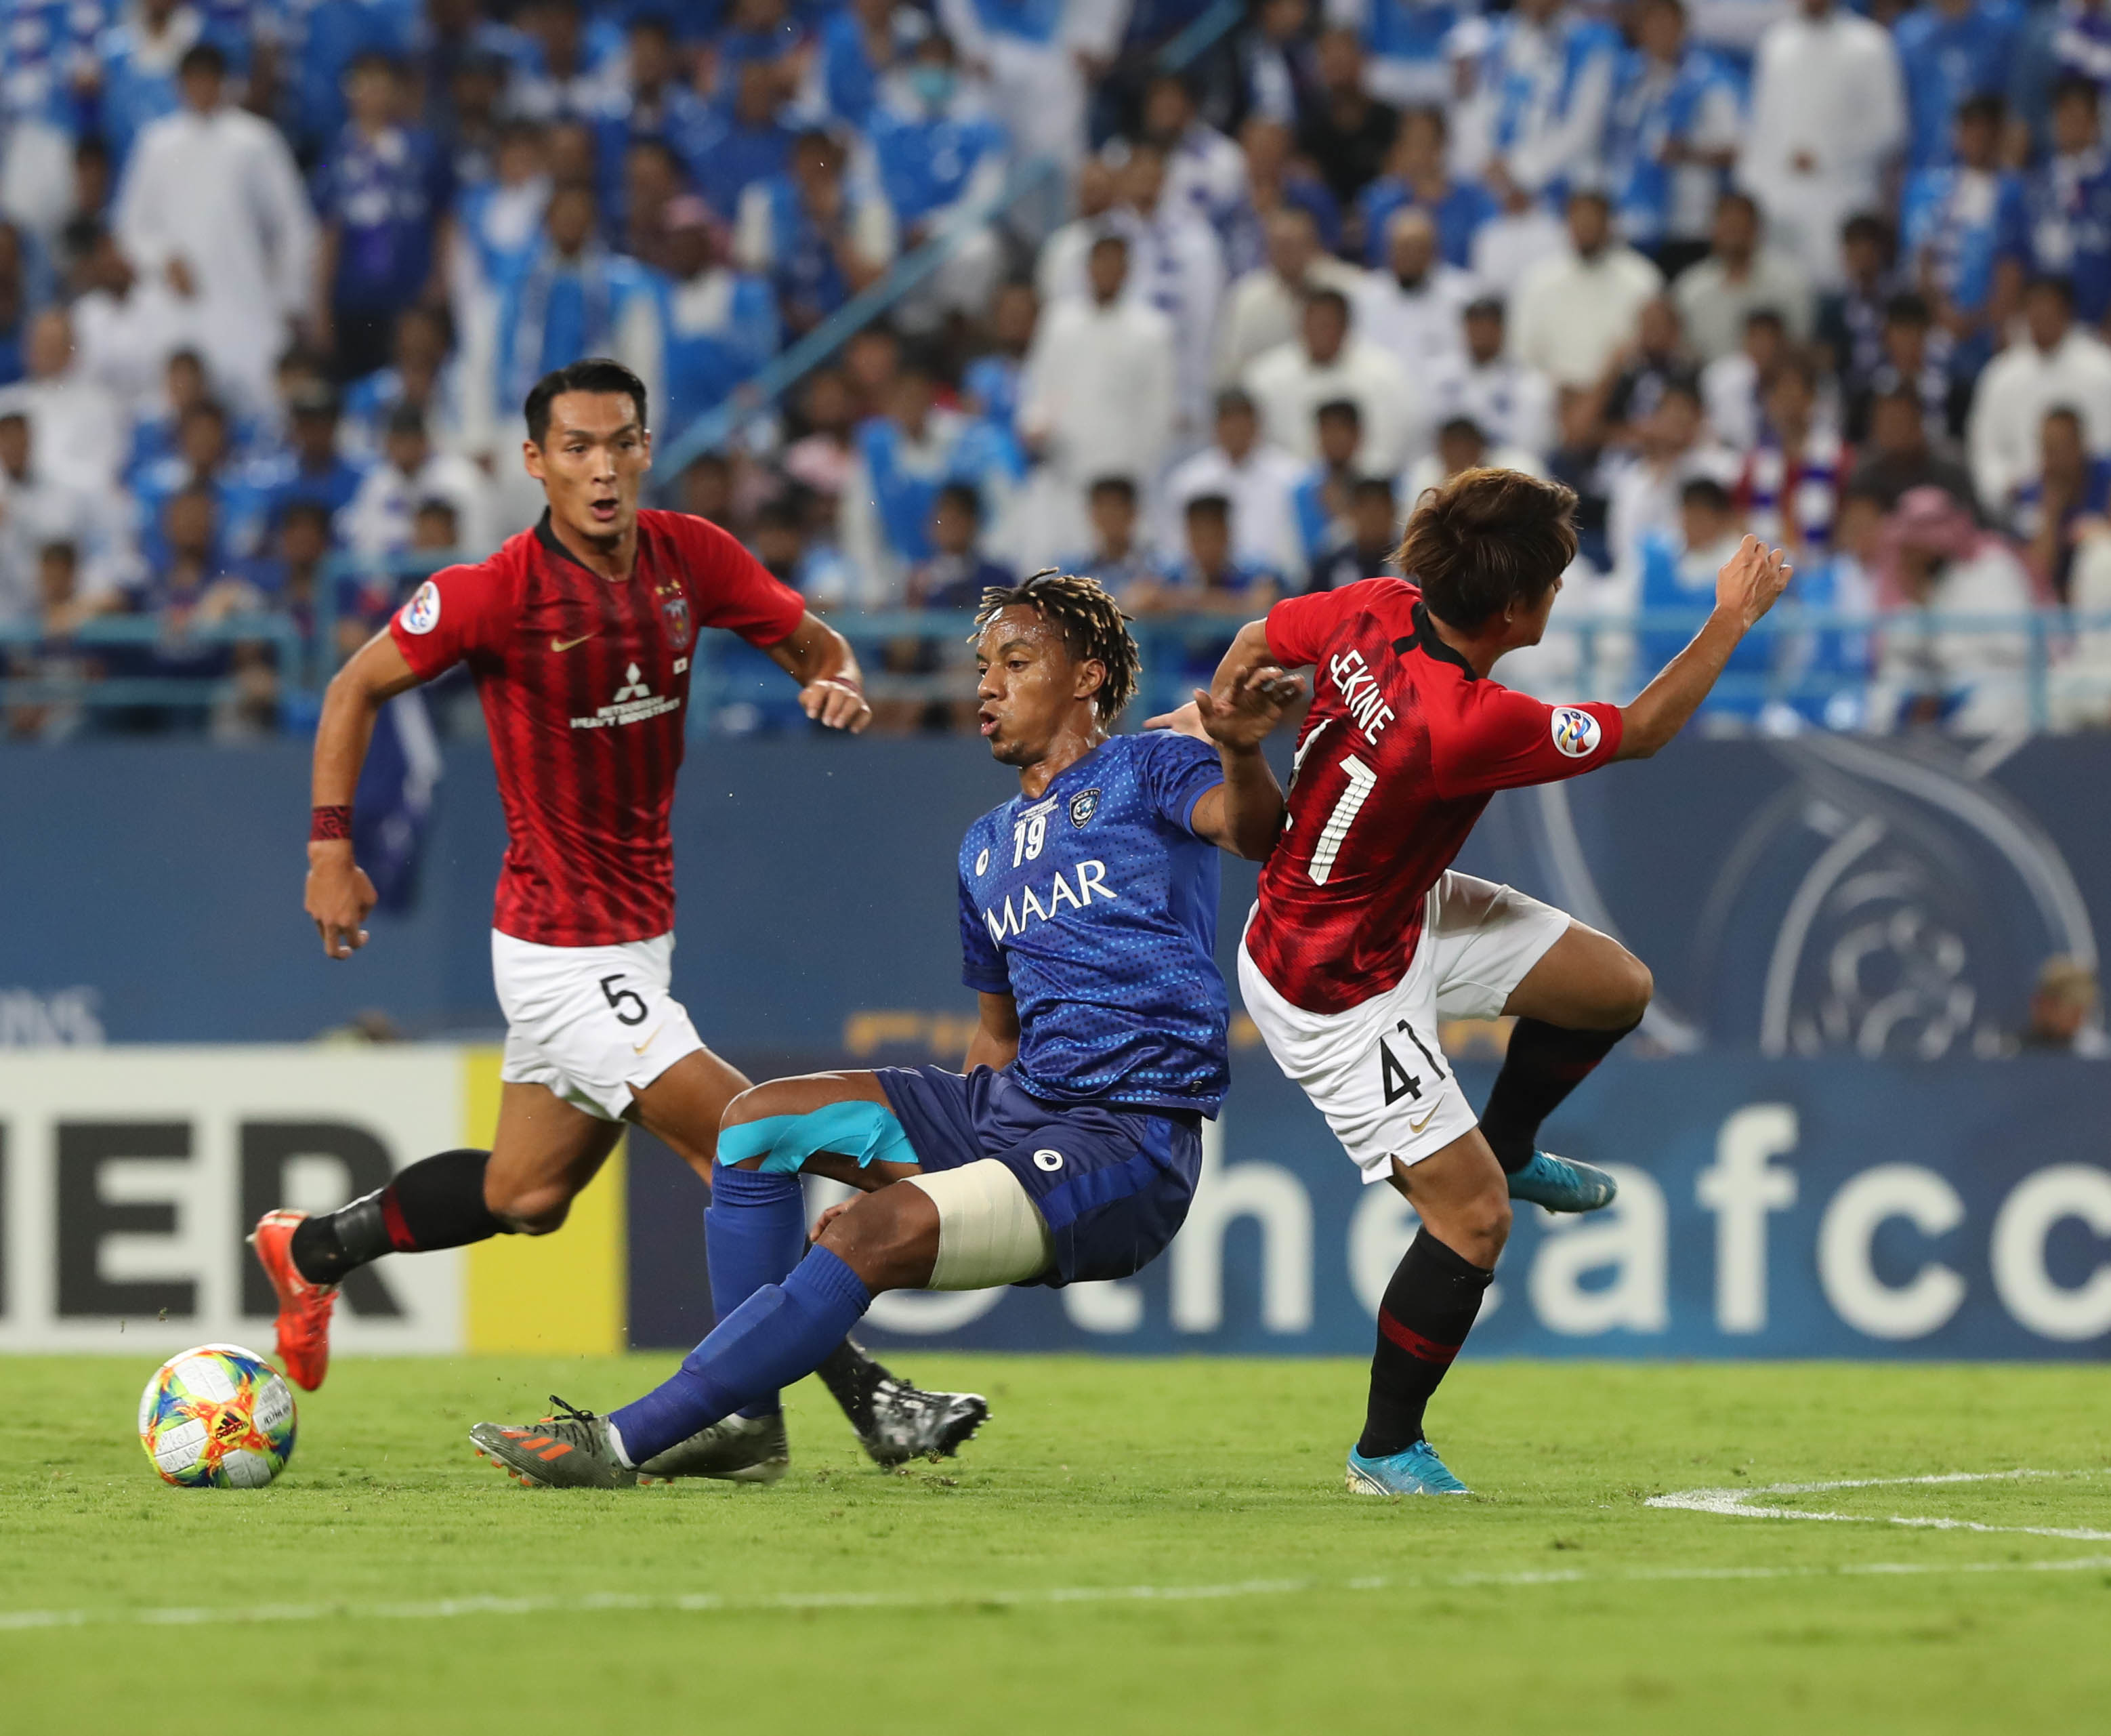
<point x="616" y="1442"/>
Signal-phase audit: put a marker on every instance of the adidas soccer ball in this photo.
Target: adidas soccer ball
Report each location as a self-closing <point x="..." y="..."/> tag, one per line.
<point x="217" y="1417"/>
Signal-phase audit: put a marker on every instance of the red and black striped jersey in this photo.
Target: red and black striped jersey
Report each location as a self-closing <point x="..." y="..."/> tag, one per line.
<point x="1398" y="757"/>
<point x="584" y="682"/>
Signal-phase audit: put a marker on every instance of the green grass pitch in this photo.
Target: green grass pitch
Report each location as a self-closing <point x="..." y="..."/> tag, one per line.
<point x="1131" y="1546"/>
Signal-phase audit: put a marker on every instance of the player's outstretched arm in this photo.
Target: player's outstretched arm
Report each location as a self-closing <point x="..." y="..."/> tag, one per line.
<point x="1244" y="814"/>
<point x="995" y="1043"/>
<point x="339" y="895"/>
<point x="1744" y="589"/>
<point x="820" y="659"/>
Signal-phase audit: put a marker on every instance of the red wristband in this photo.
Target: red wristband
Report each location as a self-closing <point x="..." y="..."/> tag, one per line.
<point x="329" y="822"/>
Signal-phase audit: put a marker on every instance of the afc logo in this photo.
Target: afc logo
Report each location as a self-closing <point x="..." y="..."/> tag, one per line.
<point x="1575" y="732"/>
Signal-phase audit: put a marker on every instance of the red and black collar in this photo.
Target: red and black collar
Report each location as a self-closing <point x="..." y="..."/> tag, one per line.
<point x="1426" y="639"/>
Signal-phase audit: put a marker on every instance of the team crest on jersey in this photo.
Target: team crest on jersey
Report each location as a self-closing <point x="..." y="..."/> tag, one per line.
<point x="1575" y="732"/>
<point x="1084" y="806"/>
<point x="676" y="609"/>
<point x="422" y="614"/>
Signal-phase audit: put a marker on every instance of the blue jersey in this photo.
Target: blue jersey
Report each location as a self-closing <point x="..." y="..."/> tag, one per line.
<point x="1458" y="215"/>
<point x="1943" y="60"/>
<point x="2066" y="224"/>
<point x="1960" y="222"/>
<point x="1095" y="907"/>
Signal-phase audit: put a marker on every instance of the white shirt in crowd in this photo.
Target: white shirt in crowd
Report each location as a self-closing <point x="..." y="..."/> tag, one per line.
<point x="1713" y="308"/>
<point x="36" y="511"/>
<point x="2009" y="410"/>
<point x="1418" y="324"/>
<point x="1730" y="394"/>
<point x="1572" y="315"/>
<point x="124" y="343"/>
<point x="380" y="520"/>
<point x="1980" y="673"/>
<point x="220" y="191"/>
<point x="1288" y="388"/>
<point x="1260" y="487"/>
<point x="1098" y="389"/>
<point x="1827" y="93"/>
<point x="1512" y="405"/>
<point x="1508" y="246"/>
<point x="79" y="429"/>
<point x="1260" y="311"/>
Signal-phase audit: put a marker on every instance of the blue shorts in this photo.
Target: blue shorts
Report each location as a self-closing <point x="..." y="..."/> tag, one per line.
<point x="1113" y="1183"/>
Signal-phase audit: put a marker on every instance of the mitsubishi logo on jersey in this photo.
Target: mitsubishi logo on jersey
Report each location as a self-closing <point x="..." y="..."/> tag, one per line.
<point x="634" y="701"/>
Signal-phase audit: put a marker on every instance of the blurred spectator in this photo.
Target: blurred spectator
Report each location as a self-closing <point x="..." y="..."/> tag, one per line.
<point x="1347" y="132"/>
<point x="1320" y="501"/>
<point x="125" y="326"/>
<point x="2055" y="42"/>
<point x="1899" y="457"/>
<point x="1203" y="170"/>
<point x="1674" y="131"/>
<point x="37" y="512"/>
<point x="422" y="374"/>
<point x="1259" y="480"/>
<point x="1734" y="387"/>
<point x="1367" y="550"/>
<point x="1548" y="81"/>
<point x="1211" y="579"/>
<point x="1412" y="308"/>
<point x="816" y="240"/>
<point x="1329" y="362"/>
<point x="380" y="520"/>
<point x="1962" y="226"/>
<point x="1970" y="682"/>
<point x="1512" y="403"/>
<point x="1116" y="556"/>
<point x="79" y="426"/>
<point x="1036" y="57"/>
<point x="783" y="545"/>
<point x="719" y="325"/>
<point x="1737" y="277"/>
<point x="212" y="202"/>
<point x="13" y="303"/>
<point x="1916" y="360"/>
<point x="1579" y="460"/>
<point x="821" y="458"/>
<point x="858" y="46"/>
<point x="940" y="155"/>
<point x="1827" y="116"/>
<point x="2059" y="364"/>
<point x="1950" y="50"/>
<point x="1658" y="357"/>
<point x="1277" y="180"/>
<point x="1176" y="265"/>
<point x="1263" y="308"/>
<point x="2067" y="202"/>
<point x="1096" y="396"/>
<point x="380" y="193"/>
<point x="957" y="572"/>
<point x="137" y="59"/>
<point x="205" y="461"/>
<point x="1279" y="71"/>
<point x="52" y="658"/>
<point x="1417" y="174"/>
<point x="2066" y="502"/>
<point x="1461" y="444"/>
<point x="2062" y="1018"/>
<point x="291" y="579"/>
<point x="1790" y="485"/>
<point x="1850" y="319"/>
<point x="498" y="222"/>
<point x="1643" y="491"/>
<point x="1405" y="42"/>
<point x="990" y="384"/>
<point x="1678" y="563"/>
<point x="314" y="469"/>
<point x="1574" y="311"/>
<point x="742" y="142"/>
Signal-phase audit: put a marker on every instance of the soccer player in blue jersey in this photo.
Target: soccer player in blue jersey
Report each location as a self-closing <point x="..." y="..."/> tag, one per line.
<point x="1069" y="1149"/>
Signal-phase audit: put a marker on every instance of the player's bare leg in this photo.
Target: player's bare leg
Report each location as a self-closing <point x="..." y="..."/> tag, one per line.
<point x="756" y="1226"/>
<point x="1429" y="1306"/>
<point x="1584" y="995"/>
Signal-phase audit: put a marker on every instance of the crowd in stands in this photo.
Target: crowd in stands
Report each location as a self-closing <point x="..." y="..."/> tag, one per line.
<point x="1212" y="308"/>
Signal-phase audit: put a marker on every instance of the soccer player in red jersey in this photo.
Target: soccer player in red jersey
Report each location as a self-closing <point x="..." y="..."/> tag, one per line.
<point x="1363" y="937"/>
<point x="580" y="633"/>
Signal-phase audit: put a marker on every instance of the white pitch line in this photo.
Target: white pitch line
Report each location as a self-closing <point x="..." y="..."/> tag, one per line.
<point x="1735" y="1503"/>
<point x="716" y="1603"/>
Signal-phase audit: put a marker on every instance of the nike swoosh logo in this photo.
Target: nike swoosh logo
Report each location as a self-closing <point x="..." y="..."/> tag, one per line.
<point x="1414" y="1126"/>
<point x="558" y="644"/>
<point x="639" y="1049"/>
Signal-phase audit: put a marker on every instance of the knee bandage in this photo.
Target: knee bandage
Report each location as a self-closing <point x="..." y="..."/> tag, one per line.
<point x="990" y="1231"/>
<point x="865" y="1131"/>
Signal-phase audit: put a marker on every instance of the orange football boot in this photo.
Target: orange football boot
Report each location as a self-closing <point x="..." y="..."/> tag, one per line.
<point x="304" y="1308"/>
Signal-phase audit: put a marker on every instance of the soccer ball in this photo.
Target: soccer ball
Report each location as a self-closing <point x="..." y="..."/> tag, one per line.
<point x="217" y="1417"/>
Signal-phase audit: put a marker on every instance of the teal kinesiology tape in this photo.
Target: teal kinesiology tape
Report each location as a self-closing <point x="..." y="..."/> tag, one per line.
<point x="865" y="1131"/>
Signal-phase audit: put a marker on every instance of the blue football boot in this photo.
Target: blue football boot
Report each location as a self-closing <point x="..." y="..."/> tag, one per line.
<point x="1417" y="1471"/>
<point x="1562" y="1184"/>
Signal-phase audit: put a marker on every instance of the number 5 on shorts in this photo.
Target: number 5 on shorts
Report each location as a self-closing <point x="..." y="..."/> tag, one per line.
<point x="616" y="997"/>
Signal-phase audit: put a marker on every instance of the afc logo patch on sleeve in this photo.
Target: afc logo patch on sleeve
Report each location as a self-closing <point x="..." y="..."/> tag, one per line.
<point x="1575" y="732"/>
<point x="422" y="614"/>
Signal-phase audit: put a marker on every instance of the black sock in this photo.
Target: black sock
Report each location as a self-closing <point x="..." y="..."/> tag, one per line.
<point x="852" y="1377"/>
<point x="437" y="1203"/>
<point x="1428" y="1309"/>
<point x="1544" y="1064"/>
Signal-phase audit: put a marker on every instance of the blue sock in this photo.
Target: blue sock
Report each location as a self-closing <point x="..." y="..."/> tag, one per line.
<point x="754" y="1229"/>
<point x="778" y="1335"/>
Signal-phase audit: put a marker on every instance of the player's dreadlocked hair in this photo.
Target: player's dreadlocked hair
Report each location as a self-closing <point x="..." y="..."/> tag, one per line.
<point x="1094" y="628"/>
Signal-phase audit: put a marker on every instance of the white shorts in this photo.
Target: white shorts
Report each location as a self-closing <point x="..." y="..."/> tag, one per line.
<point x="1376" y="1071"/>
<point x="590" y="1022"/>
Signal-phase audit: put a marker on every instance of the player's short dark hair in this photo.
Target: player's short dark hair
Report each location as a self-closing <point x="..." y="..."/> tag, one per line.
<point x="1094" y="628"/>
<point x="1486" y="539"/>
<point x="591" y="374"/>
